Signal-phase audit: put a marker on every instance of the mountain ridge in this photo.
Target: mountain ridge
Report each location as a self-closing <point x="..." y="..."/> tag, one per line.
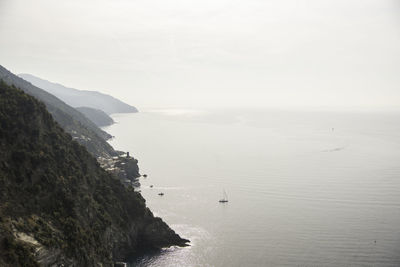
<point x="99" y="117"/>
<point x="75" y="123"/>
<point x="81" y="98"/>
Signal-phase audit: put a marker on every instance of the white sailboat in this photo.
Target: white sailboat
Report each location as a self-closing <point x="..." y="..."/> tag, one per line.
<point x="224" y="198"/>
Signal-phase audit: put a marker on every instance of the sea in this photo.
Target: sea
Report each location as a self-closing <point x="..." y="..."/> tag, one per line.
<point x="304" y="188"/>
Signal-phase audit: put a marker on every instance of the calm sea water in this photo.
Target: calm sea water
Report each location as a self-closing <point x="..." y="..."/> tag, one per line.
<point x="304" y="189"/>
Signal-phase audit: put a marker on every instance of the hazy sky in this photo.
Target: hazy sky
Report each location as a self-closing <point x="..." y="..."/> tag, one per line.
<point x="261" y="53"/>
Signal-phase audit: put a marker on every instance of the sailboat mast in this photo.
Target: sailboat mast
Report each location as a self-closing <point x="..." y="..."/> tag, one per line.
<point x="224" y="197"/>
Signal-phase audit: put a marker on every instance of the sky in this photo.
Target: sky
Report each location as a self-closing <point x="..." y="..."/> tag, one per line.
<point x="331" y="54"/>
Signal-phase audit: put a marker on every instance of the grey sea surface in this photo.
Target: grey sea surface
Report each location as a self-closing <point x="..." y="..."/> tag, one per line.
<point x="304" y="188"/>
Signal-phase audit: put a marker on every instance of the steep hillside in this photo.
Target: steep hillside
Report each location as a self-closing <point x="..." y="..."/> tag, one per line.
<point x="81" y="98"/>
<point x="74" y="122"/>
<point x="57" y="205"/>
<point x="99" y="117"/>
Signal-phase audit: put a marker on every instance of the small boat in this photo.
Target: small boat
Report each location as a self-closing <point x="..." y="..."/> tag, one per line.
<point x="224" y="198"/>
<point x="161" y="194"/>
<point x="151" y="186"/>
<point x="144" y="175"/>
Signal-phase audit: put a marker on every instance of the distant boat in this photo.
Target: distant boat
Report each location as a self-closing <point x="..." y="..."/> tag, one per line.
<point x="144" y="175"/>
<point x="224" y="198"/>
<point x="161" y="194"/>
<point x="151" y="186"/>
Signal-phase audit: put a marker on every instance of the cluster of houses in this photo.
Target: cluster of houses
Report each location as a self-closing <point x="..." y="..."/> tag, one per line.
<point x="116" y="166"/>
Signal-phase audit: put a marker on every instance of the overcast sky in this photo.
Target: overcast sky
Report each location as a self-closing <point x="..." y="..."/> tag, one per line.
<point x="183" y="53"/>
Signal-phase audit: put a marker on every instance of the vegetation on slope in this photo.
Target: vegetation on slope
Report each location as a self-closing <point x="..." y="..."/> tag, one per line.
<point x="75" y="123"/>
<point x="57" y="205"/>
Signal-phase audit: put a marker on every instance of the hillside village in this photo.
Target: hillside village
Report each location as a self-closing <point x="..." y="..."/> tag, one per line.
<point x="123" y="167"/>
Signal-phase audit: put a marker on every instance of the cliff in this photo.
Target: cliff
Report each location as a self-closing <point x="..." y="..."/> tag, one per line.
<point x="82" y="129"/>
<point x="57" y="205"/>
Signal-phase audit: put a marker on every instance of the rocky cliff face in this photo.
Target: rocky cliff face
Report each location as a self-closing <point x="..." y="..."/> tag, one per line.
<point x="57" y="205"/>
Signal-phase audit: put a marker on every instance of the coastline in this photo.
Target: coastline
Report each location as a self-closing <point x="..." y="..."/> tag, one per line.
<point x="126" y="168"/>
<point x="60" y="207"/>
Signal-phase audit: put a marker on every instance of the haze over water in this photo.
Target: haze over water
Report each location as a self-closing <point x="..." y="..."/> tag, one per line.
<point x="305" y="189"/>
